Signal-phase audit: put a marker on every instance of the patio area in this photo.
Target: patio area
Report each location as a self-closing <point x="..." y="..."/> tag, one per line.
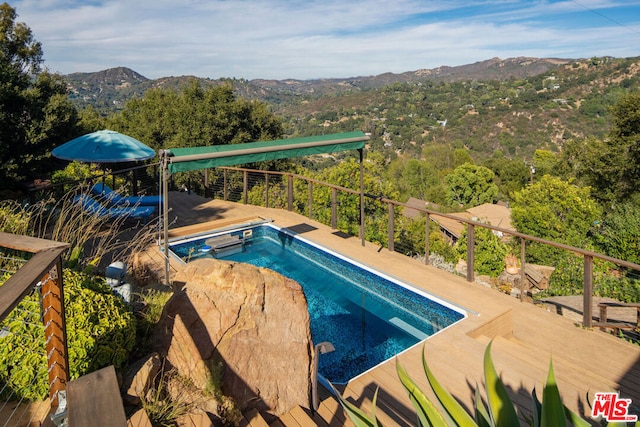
<point x="525" y="337"/>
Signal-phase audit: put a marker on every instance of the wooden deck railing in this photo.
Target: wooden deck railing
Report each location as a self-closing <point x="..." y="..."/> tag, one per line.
<point x="588" y="256"/>
<point x="43" y="269"/>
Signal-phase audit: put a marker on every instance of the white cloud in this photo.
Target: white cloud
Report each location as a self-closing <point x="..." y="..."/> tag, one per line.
<point x="312" y="39"/>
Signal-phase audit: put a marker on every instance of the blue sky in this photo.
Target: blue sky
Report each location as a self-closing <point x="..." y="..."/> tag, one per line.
<point x="308" y="39"/>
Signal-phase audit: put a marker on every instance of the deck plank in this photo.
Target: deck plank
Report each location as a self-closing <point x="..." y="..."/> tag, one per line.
<point x="94" y="400"/>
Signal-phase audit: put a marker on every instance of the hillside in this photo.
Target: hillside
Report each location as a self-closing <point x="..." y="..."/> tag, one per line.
<point x="514" y="105"/>
<point x="109" y="89"/>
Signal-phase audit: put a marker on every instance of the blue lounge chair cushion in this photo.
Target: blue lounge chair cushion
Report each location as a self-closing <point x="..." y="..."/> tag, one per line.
<point x="90" y="205"/>
<point x="113" y="198"/>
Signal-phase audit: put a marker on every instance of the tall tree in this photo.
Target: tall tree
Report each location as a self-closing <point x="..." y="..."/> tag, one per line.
<point x="470" y="185"/>
<point x="196" y="116"/>
<point x="414" y="178"/>
<point x="619" y="233"/>
<point x="511" y="174"/>
<point x="556" y="210"/>
<point x="34" y="110"/>
<point x="611" y="166"/>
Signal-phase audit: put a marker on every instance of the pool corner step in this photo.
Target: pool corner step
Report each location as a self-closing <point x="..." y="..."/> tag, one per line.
<point x="408" y="328"/>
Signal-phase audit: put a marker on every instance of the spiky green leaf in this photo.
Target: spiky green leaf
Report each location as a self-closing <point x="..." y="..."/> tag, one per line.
<point x="501" y="408"/>
<point x="355" y="414"/>
<point x="427" y="413"/>
<point x="537" y="408"/>
<point x="482" y="416"/>
<point x="453" y="408"/>
<point x="576" y="419"/>
<point x="552" y="408"/>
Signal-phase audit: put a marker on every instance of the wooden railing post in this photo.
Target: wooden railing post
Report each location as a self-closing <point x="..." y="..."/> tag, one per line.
<point x="266" y="190"/>
<point x="334" y="208"/>
<point x="224" y="185"/>
<point x="310" y="200"/>
<point x="207" y="191"/>
<point x="587" y="305"/>
<point x="290" y="192"/>
<point x="245" y="186"/>
<point x="523" y="274"/>
<point x="54" y="327"/>
<point x="390" y="228"/>
<point x="427" y="231"/>
<point x="470" y="252"/>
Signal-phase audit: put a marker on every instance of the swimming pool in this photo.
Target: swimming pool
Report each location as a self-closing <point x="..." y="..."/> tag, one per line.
<point x="367" y="316"/>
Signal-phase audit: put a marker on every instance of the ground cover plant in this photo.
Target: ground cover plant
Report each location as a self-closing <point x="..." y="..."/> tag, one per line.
<point x="101" y="331"/>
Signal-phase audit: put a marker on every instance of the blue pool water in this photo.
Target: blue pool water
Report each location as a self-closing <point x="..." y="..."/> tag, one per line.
<point x="366" y="316"/>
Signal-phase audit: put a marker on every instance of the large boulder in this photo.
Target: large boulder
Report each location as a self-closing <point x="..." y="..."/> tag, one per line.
<point x="244" y="325"/>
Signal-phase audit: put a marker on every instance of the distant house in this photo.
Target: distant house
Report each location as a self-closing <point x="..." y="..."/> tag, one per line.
<point x="415" y="204"/>
<point x="497" y="215"/>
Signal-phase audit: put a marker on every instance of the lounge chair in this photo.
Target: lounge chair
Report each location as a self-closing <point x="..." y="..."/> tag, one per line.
<point x="115" y="199"/>
<point x="91" y="206"/>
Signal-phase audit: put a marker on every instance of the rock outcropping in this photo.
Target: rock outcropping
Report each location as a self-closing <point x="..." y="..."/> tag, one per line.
<point x="247" y="325"/>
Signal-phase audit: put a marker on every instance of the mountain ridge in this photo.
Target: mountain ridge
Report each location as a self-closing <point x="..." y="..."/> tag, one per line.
<point x="109" y="89"/>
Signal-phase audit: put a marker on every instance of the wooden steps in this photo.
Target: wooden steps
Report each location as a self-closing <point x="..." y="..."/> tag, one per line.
<point x="329" y="414"/>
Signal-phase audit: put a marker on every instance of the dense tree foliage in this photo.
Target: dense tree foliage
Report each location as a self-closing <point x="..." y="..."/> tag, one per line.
<point x="471" y="185"/>
<point x="415" y="178"/>
<point x="619" y="233"/>
<point x="511" y="174"/>
<point x="556" y="210"/>
<point x="35" y="113"/>
<point x="196" y="116"/>
<point x="611" y="166"/>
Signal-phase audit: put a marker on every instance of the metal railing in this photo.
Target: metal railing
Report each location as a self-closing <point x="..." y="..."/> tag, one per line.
<point x="35" y="266"/>
<point x="326" y="203"/>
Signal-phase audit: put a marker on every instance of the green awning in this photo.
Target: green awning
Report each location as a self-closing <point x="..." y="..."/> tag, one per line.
<point x="194" y="158"/>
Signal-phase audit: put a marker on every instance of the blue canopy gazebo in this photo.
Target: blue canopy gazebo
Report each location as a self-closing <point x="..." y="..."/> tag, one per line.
<point x="105" y="146"/>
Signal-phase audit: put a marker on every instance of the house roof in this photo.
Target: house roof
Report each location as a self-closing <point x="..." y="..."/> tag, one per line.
<point x="494" y="214"/>
<point x="417" y="204"/>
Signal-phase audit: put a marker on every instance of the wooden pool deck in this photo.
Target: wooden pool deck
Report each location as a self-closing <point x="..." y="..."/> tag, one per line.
<point x="525" y="337"/>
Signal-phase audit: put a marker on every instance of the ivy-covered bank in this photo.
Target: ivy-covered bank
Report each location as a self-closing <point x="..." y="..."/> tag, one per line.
<point x="101" y="331"/>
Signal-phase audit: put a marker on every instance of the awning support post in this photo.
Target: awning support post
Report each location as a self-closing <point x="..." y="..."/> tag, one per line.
<point x="165" y="212"/>
<point x="361" y="152"/>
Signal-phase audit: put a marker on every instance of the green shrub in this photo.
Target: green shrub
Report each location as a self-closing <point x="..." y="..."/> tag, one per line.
<point x="608" y="281"/>
<point x="14" y="218"/>
<point x="101" y="331"/>
<point x="74" y="171"/>
<point x="489" y="254"/>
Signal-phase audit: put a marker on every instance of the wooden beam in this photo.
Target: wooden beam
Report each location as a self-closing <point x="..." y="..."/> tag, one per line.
<point x="22" y="281"/>
<point x="53" y="317"/>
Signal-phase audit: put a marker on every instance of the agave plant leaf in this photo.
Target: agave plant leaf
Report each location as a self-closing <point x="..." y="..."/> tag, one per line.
<point x="620" y="424"/>
<point x="427" y="413"/>
<point x="501" y="408"/>
<point x="553" y="414"/>
<point x="482" y="416"/>
<point x="355" y="414"/>
<point x="537" y="408"/>
<point x="453" y="408"/>
<point x="576" y="419"/>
